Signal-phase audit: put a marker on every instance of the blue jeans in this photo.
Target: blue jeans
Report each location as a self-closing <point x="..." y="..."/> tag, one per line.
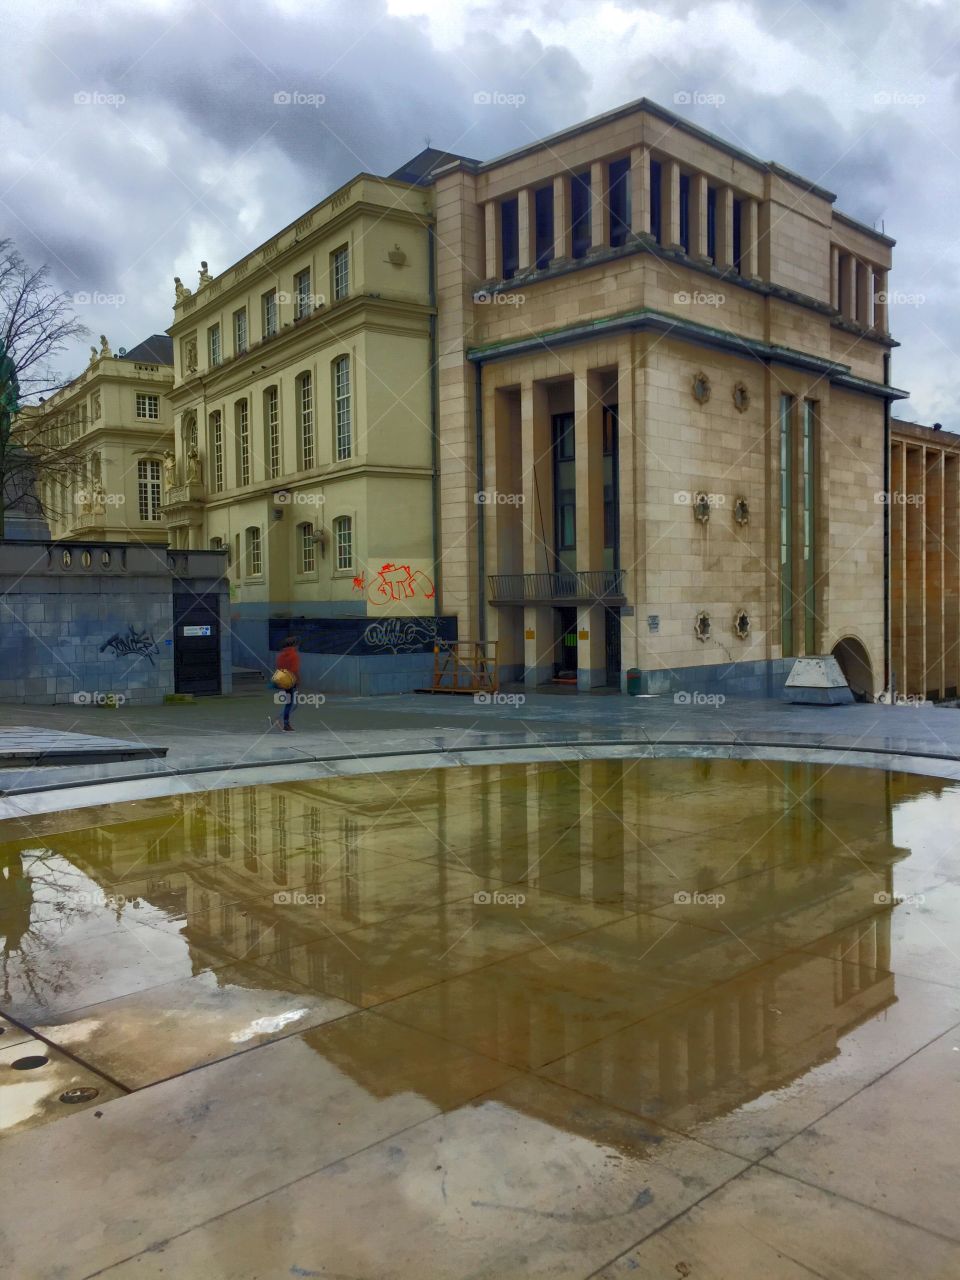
<point x="288" y="703"/>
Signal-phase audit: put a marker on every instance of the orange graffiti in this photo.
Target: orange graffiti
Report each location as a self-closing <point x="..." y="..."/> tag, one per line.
<point x="397" y="582"/>
<point x="360" y="584"/>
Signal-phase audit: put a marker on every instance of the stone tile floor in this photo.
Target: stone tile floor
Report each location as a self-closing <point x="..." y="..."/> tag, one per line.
<point x="606" y="1017"/>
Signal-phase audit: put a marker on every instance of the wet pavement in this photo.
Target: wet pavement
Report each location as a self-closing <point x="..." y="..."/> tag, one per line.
<point x="624" y="1017"/>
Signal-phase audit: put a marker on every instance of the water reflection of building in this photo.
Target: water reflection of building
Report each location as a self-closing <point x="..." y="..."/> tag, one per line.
<point x="581" y="831"/>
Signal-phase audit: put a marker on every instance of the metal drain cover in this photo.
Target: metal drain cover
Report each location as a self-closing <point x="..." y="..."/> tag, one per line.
<point x="30" y="1063"/>
<point x="85" y="1094"/>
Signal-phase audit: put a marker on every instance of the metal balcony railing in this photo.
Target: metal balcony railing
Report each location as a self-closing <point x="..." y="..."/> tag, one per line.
<point x="588" y="587"/>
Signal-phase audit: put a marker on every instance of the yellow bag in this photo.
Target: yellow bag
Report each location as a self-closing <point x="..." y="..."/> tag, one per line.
<point x="283" y="679"/>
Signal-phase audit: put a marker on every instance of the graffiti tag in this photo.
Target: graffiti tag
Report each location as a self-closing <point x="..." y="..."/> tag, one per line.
<point x="399" y="635"/>
<point x="396" y="582"/>
<point x="136" y="642"/>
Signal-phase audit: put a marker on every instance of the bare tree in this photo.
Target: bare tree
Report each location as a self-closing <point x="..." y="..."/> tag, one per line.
<point x="37" y="324"/>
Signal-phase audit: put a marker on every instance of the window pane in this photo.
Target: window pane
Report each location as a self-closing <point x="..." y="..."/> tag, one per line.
<point x="510" y="236"/>
<point x="342" y="407"/>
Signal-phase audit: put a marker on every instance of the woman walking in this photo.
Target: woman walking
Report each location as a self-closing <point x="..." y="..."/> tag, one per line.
<point x="286" y="678"/>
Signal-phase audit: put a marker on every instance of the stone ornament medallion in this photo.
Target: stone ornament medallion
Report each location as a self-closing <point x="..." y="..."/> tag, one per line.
<point x="741" y="511"/>
<point x="741" y="397"/>
<point x="701" y="627"/>
<point x="701" y="388"/>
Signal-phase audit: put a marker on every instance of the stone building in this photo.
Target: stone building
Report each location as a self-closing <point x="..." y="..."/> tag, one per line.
<point x="924" y="586"/>
<point x="302" y="400"/>
<point x="117" y="414"/>
<point x="662" y="403"/>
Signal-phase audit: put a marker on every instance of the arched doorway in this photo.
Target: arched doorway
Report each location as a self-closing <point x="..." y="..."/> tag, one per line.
<point x="855" y="664"/>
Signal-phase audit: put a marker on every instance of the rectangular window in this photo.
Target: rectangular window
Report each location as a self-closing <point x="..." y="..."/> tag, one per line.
<point x="580" y="213"/>
<point x="510" y="237"/>
<point x="343" y="416"/>
<point x="148" y="488"/>
<point x="340" y="272"/>
<point x="242" y="424"/>
<point x="254" y="552"/>
<point x="786" y="527"/>
<point x="737" y="239"/>
<point x="269" y="313"/>
<point x="810" y="416"/>
<point x="308" y="555"/>
<point x="213" y="345"/>
<point x="565" y="493"/>
<point x="618" y="200"/>
<point x="216" y="448"/>
<point x="685" y="211"/>
<point x="305" y="416"/>
<point x="543" y="215"/>
<point x="148" y="406"/>
<point x="611" y="489"/>
<point x="712" y="224"/>
<point x="656" y="212"/>
<point x="301" y="294"/>
<point x="271" y="416"/>
<point x="343" y="537"/>
<point x="240" y="335"/>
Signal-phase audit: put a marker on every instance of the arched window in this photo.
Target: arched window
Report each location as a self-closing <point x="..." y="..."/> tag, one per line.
<point x="241" y="414"/>
<point x="308" y="456"/>
<point x="271" y="428"/>
<point x="216" y="449"/>
<point x="307" y="554"/>
<point x="254" y="561"/>
<point x="343" y="542"/>
<point x="342" y="407"/>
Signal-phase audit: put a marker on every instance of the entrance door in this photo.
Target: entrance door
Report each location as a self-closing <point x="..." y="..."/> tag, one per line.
<point x="565" y="659"/>
<point x="611" y="637"/>
<point x="196" y="644"/>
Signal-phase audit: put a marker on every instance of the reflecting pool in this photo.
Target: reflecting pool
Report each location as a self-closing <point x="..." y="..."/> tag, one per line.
<point x="526" y="1014"/>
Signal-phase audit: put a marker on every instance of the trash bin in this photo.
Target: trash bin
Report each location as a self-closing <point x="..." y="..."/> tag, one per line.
<point x="634" y="682"/>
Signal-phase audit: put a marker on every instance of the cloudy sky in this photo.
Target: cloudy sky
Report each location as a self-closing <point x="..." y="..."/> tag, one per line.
<point x="139" y="136"/>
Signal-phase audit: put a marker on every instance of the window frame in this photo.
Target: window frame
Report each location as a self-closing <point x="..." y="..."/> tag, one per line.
<point x="215" y="424"/>
<point x="214" y="346"/>
<point x="269" y="313"/>
<point x="241" y="420"/>
<point x="301" y="296"/>
<point x="271" y="429"/>
<point x="149" y="490"/>
<point x="340" y="278"/>
<point x="306" y="542"/>
<point x="306" y="421"/>
<point x="342" y="408"/>
<point x="253" y="552"/>
<point x="241" y="345"/>
<point x="343" y="537"/>
<point x="154" y="401"/>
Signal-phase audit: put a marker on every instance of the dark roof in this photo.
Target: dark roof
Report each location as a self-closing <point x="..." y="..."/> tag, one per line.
<point x="157" y="349"/>
<point x="421" y="167"/>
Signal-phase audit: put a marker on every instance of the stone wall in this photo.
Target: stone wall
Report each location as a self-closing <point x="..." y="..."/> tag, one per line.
<point x="84" y="623"/>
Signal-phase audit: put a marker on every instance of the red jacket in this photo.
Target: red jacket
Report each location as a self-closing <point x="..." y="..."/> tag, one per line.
<point x="289" y="660"/>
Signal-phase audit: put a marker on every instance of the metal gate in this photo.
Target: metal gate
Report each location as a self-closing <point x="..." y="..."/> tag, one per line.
<point x="196" y="643"/>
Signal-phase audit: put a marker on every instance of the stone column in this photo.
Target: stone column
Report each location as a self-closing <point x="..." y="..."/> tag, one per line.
<point x="748" y="239"/>
<point x="640" y="191"/>
<point x="670" y="194"/>
<point x="599" y="235"/>
<point x="698" y="216"/>
<point x="526" y="222"/>
<point x="538" y="622"/>
<point x="491" y="222"/>
<point x="725" y="227"/>
<point x="864" y="294"/>
<point x="562" y="228"/>
<point x="880" y="310"/>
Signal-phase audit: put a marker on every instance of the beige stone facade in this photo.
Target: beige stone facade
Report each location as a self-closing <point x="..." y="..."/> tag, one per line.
<point x="924" y="513"/>
<point x="731" y="324"/>
<point x="116" y="414"/>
